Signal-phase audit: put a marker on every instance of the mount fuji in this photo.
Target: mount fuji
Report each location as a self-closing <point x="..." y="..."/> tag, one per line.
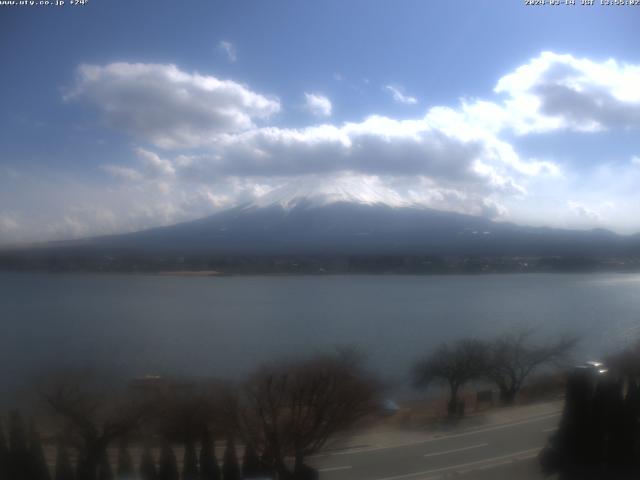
<point x="333" y="221"/>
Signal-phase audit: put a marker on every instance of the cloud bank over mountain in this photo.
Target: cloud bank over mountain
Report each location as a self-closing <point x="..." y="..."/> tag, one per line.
<point x="200" y="143"/>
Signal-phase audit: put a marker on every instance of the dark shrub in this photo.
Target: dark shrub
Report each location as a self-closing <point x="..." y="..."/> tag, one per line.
<point x="38" y="464"/>
<point x="125" y="468"/>
<point x="209" y="468"/>
<point x="190" y="462"/>
<point x="148" y="469"/>
<point x="64" y="470"/>
<point x="251" y="467"/>
<point x="168" y="469"/>
<point x="19" y="464"/>
<point x="105" y="472"/>
<point x="230" y="467"/>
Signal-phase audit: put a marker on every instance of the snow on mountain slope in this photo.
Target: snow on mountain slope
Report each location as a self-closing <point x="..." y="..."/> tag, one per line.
<point x="348" y="189"/>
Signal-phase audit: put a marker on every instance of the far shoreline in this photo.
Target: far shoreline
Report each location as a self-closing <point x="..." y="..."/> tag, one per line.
<point x="219" y="274"/>
<point x="188" y="273"/>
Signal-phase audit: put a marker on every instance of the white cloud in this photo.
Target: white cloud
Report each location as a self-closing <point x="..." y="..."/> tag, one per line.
<point x="154" y="165"/>
<point x="556" y="92"/>
<point x="400" y="97"/>
<point x="150" y="166"/>
<point x="70" y="207"/>
<point x="168" y="107"/>
<point x="434" y="161"/>
<point x="122" y="172"/>
<point x="318" y="105"/>
<point x="635" y="160"/>
<point x="378" y="145"/>
<point x="229" y="49"/>
<point x="583" y="212"/>
<point x="8" y="224"/>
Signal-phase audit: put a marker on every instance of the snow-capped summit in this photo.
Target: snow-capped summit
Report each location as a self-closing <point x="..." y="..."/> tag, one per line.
<point x="347" y="189"/>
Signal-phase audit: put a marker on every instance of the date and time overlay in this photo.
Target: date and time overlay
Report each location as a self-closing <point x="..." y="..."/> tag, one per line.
<point x="528" y="3"/>
<point x="582" y="3"/>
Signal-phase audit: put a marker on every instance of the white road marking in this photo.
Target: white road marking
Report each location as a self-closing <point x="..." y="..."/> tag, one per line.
<point x="500" y="426"/>
<point x="462" y="449"/>
<point x="547" y="430"/>
<point x="521" y="454"/>
<point x="333" y="469"/>
<point x="494" y="464"/>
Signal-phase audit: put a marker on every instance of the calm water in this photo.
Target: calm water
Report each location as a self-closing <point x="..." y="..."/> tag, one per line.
<point x="223" y="326"/>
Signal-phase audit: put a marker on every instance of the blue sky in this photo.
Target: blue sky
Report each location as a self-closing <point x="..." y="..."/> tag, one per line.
<point x="120" y="115"/>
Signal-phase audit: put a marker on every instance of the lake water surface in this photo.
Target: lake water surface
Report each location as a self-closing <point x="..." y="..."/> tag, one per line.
<point x="224" y="326"/>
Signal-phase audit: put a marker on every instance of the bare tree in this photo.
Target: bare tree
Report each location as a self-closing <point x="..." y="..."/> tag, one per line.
<point x="454" y="365"/>
<point x="93" y="414"/>
<point x="185" y="412"/>
<point x="512" y="358"/>
<point x="293" y="409"/>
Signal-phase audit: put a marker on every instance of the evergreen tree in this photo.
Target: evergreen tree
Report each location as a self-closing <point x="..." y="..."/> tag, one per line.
<point x="105" y="472"/>
<point x="168" y="466"/>
<point x="251" y="465"/>
<point x="230" y="467"/>
<point x="266" y="464"/>
<point x="125" y="464"/>
<point x="63" y="471"/>
<point x="38" y="463"/>
<point x="82" y="470"/>
<point x="87" y="466"/>
<point x="4" y="454"/>
<point x="148" y="469"/>
<point x="93" y="464"/>
<point x="19" y="461"/>
<point x="190" y="462"/>
<point x="209" y="468"/>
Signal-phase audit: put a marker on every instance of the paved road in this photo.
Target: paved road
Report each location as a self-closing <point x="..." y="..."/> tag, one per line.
<point x="497" y="451"/>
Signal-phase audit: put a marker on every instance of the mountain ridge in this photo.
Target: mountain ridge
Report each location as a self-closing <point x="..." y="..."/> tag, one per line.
<point x="339" y="227"/>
